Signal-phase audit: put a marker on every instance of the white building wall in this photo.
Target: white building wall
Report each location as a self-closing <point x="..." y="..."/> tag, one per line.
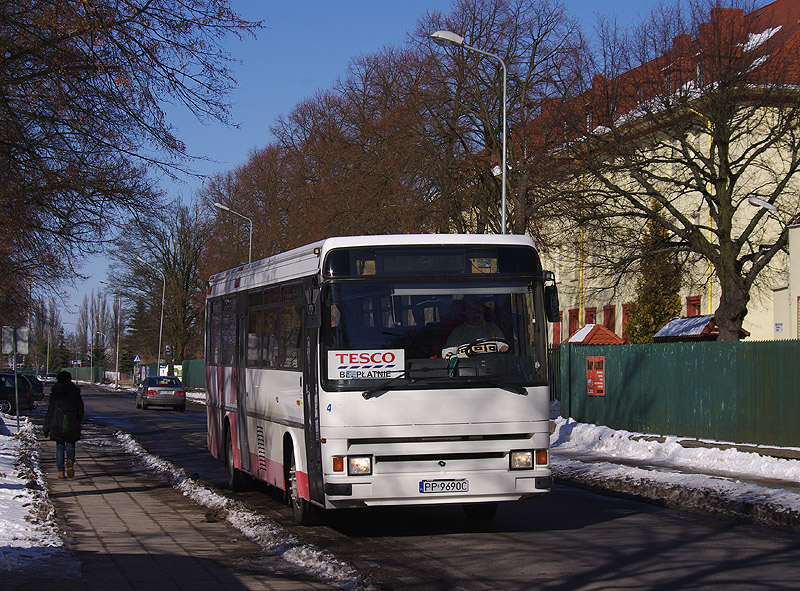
<point x="786" y="317"/>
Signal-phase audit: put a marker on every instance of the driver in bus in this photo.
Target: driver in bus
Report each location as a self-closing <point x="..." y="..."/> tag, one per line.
<point x="475" y="327"/>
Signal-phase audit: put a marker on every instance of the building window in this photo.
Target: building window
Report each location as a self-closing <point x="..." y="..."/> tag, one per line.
<point x="573" y="321"/>
<point x="590" y="315"/>
<point x="693" y="306"/>
<point x="610" y="317"/>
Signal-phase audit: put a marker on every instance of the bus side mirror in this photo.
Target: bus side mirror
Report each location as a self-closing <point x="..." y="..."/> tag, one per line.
<point x="551" y="303"/>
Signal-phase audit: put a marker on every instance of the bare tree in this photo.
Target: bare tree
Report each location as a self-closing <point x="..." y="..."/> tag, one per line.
<point x="406" y="142"/>
<point x="82" y="121"/>
<point x="533" y="39"/>
<point x="691" y="113"/>
<point x="354" y="156"/>
<point x="171" y="246"/>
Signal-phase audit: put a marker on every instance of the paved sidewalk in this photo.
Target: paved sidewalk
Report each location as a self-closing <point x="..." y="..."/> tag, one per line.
<point x="131" y="532"/>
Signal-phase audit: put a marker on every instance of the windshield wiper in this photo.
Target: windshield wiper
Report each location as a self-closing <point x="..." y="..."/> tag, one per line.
<point x="384" y="387"/>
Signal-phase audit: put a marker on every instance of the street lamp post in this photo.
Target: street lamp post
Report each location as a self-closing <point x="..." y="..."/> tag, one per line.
<point x="163" y="295"/>
<point x="229" y="210"/>
<point x="448" y="38"/>
<point x="772" y="208"/>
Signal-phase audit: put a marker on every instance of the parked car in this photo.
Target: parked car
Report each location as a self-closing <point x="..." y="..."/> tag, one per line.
<point x="50" y="378"/>
<point x="161" y="391"/>
<point x="36" y="385"/>
<point x="8" y="396"/>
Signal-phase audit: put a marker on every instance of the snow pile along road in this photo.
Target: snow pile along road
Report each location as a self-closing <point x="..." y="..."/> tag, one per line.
<point x="707" y="480"/>
<point x="30" y="539"/>
<point x="274" y="540"/>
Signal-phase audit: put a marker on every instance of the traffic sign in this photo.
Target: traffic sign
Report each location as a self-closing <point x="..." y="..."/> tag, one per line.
<point x="15" y="340"/>
<point x="137" y="358"/>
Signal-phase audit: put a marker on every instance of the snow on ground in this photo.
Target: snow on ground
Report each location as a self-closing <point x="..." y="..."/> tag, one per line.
<point x="692" y="479"/>
<point x="708" y="480"/>
<point x="29" y="534"/>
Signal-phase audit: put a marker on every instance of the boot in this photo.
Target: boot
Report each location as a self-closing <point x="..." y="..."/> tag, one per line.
<point x="61" y="474"/>
<point x="70" y="469"/>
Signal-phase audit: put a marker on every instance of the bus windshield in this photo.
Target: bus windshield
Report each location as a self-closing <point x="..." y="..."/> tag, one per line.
<point x="433" y="334"/>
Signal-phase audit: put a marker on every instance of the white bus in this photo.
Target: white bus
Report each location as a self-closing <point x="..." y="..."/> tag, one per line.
<point x="353" y="372"/>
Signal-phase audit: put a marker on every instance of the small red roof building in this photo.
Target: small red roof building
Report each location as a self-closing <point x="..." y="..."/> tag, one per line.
<point x="595" y="334"/>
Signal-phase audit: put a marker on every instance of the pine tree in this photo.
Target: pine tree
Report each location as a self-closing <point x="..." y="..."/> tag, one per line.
<point x="657" y="288"/>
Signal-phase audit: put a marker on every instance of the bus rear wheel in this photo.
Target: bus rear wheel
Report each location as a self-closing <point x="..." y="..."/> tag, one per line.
<point x="304" y="512"/>
<point x="236" y="480"/>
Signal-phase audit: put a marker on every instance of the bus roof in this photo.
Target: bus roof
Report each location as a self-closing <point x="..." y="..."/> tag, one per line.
<point x="306" y="260"/>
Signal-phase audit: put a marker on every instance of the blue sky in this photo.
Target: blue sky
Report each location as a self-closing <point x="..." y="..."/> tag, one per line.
<point x="304" y="47"/>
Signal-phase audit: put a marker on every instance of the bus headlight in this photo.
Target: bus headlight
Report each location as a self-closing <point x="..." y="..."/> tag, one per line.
<point x="521" y="459"/>
<point x="359" y="465"/>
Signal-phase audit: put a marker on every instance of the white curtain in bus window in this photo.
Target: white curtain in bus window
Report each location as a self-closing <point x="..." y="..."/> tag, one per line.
<point x="270" y="337"/>
<point x="254" y="336"/>
<point x="291" y="323"/>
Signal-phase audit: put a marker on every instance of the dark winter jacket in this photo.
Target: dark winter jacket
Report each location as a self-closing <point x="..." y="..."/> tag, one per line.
<point x="64" y="411"/>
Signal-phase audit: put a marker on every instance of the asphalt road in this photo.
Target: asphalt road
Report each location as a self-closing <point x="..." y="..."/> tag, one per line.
<point x="570" y="539"/>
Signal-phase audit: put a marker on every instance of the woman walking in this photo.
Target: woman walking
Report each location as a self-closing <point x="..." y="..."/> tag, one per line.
<point x="62" y="423"/>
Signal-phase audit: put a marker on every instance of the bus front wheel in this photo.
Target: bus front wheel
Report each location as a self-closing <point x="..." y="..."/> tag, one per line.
<point x="304" y="512"/>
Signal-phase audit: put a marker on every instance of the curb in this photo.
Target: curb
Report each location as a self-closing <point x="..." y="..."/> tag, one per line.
<point x="699" y="501"/>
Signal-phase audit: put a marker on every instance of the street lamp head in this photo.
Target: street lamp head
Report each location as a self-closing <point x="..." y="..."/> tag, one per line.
<point x="447" y="38"/>
<point x="222" y="207"/>
<point x="756" y="202"/>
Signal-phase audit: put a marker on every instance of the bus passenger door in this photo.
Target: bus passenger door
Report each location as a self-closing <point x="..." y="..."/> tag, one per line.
<point x="240" y="380"/>
<point x="311" y="324"/>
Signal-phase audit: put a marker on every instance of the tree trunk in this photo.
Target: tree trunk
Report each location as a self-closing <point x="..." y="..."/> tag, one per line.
<point x="732" y="309"/>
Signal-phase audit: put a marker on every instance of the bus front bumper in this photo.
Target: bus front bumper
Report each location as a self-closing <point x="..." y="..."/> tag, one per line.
<point x="428" y="489"/>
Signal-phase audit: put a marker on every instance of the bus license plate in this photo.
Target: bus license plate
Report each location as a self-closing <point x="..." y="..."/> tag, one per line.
<point x="444" y="486"/>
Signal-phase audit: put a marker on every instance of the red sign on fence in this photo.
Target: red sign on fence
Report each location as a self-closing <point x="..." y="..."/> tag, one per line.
<point x="596" y="376"/>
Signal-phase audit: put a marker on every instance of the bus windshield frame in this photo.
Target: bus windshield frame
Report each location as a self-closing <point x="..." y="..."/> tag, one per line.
<point x="433" y="333"/>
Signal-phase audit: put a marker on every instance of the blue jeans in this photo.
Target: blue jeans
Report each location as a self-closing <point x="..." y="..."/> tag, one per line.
<point x="61" y="447"/>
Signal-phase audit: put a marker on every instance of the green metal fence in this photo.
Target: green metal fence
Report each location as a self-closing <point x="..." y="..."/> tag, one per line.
<point x="194" y="374"/>
<point x="85" y="374"/>
<point x="738" y="392"/>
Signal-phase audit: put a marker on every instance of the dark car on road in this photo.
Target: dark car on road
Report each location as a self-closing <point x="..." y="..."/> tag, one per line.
<point x="161" y="391"/>
<point x="36" y="385"/>
<point x="7" y="393"/>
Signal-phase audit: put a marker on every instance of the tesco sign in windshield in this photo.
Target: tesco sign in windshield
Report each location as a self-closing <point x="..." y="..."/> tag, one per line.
<point x="355" y="364"/>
